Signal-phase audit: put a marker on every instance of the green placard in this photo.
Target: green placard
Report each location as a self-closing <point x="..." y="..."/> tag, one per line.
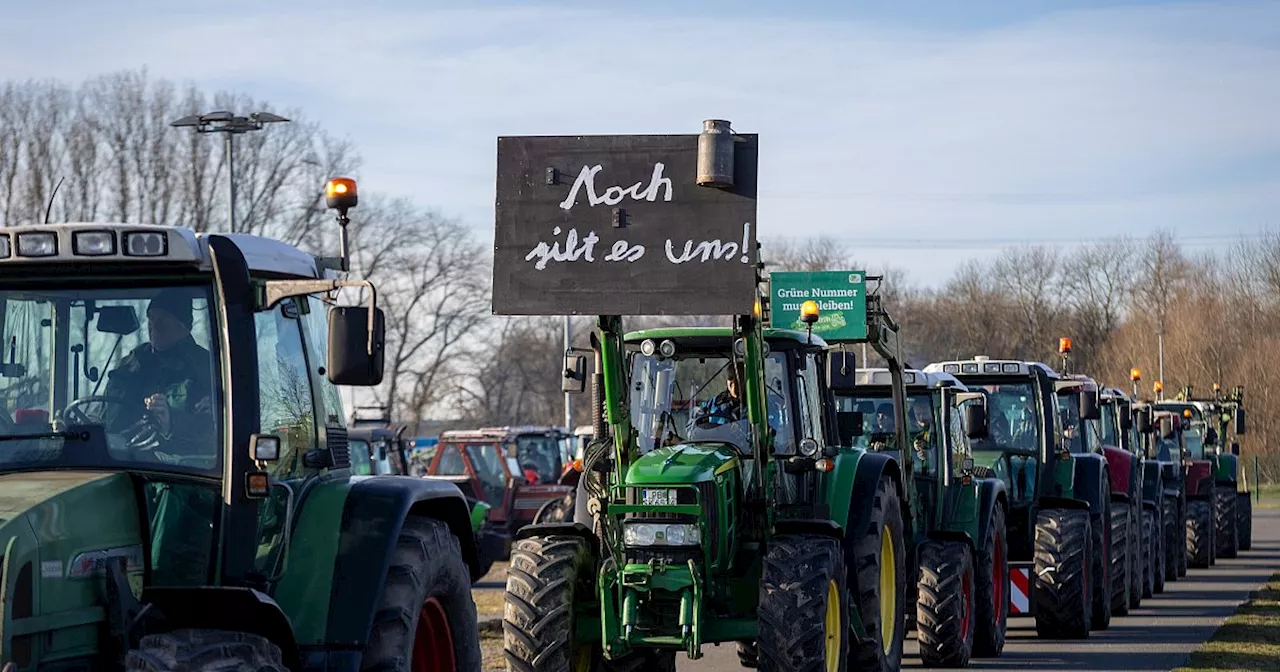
<point x="840" y="295"/>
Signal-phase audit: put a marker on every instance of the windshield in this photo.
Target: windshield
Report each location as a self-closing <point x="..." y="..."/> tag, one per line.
<point x="1079" y="436"/>
<point x="876" y="406"/>
<point x="487" y="461"/>
<point x="1014" y="422"/>
<point x="542" y="454"/>
<point x="1110" y="425"/>
<point x="361" y="465"/>
<point x="1195" y="441"/>
<point x="128" y="368"/>
<point x="694" y="398"/>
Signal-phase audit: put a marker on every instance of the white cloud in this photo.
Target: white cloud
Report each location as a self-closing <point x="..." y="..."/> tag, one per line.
<point x="1097" y="122"/>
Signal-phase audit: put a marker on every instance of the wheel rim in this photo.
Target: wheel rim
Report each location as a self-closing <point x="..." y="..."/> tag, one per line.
<point x="997" y="571"/>
<point x="433" y="640"/>
<point x="888" y="589"/>
<point x="834" y="633"/>
<point x="966" y="618"/>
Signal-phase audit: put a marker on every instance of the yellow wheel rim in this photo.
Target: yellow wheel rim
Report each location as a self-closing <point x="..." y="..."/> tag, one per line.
<point x="582" y="659"/>
<point x="888" y="591"/>
<point x="834" y="633"/>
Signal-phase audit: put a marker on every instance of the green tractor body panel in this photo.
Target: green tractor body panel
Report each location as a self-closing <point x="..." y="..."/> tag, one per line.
<point x="55" y="526"/>
<point x="303" y="592"/>
<point x="681" y="464"/>
<point x="479" y="513"/>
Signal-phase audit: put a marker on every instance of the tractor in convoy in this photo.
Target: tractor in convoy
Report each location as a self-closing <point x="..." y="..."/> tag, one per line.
<point x="1231" y="422"/>
<point x="1207" y="511"/>
<point x="1164" y="442"/>
<point x="1142" y="493"/>
<point x="180" y="496"/>
<point x="1059" y="493"/>
<point x="720" y="500"/>
<point x="959" y="545"/>
<point x="1211" y="420"/>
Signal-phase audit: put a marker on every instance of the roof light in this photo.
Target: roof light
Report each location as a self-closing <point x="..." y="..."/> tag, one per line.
<point x="1186" y="413"/>
<point x="648" y="347"/>
<point x="340" y="193"/>
<point x="809" y="312"/>
<point x="37" y="244"/>
<point x="969" y="368"/>
<point x="951" y="368"/>
<point x="667" y="349"/>
<point x="1009" y="367"/>
<point x="1135" y="374"/>
<point x="93" y="243"/>
<point x="1064" y="345"/>
<point x="991" y="368"/>
<point x="4" y="247"/>
<point x="1158" y="387"/>
<point x="146" y="244"/>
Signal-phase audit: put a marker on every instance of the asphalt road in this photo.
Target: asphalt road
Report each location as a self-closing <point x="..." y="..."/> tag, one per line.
<point x="1159" y="635"/>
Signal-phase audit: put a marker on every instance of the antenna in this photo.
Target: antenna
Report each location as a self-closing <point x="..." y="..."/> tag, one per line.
<point x="49" y="209"/>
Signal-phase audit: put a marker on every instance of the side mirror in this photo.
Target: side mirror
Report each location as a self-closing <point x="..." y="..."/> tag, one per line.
<point x="1211" y="437"/>
<point x="849" y="424"/>
<point x="1166" y="427"/>
<point x="1089" y="405"/>
<point x="975" y="421"/>
<point x="120" y="320"/>
<point x="1235" y="448"/>
<point x="1143" y="418"/>
<point x="382" y="450"/>
<point x="574" y="379"/>
<point x="350" y="362"/>
<point x="1239" y="429"/>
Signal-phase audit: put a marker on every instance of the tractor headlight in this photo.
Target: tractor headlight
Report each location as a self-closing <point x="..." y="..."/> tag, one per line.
<point x="661" y="534"/>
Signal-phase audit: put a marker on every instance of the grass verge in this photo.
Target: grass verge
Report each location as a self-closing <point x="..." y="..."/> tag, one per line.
<point x="1249" y="640"/>
<point x="1269" y="497"/>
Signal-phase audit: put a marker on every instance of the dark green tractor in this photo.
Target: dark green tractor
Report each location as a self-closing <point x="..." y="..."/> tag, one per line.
<point x="1216" y="421"/>
<point x="1059" y="505"/>
<point x="718" y="503"/>
<point x="179" y="496"/>
<point x="959" y="546"/>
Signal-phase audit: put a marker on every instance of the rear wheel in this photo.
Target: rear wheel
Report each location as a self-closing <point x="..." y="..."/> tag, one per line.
<point x="944" y="609"/>
<point x="1199" y="533"/>
<point x="1152" y="572"/>
<point x="1100" y="535"/>
<point x="1061" y="590"/>
<point x="1171" y="524"/>
<point x="1225" y="524"/>
<point x="991" y="579"/>
<point x="204" y="651"/>
<point x="804" y="606"/>
<point x="880" y="560"/>
<point x="1120" y="559"/>
<point x="1244" y="520"/>
<point x="1139" y="541"/>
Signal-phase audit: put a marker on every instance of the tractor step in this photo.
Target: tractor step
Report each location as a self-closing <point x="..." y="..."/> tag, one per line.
<point x="1020" y="588"/>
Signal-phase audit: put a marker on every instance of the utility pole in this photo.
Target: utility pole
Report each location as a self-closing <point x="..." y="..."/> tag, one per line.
<point x="568" y="398"/>
<point x="230" y="126"/>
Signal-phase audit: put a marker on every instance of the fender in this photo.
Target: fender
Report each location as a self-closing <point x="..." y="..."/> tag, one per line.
<point x="870" y="467"/>
<point x="814" y="526"/>
<point x="372" y="517"/>
<point x="574" y="529"/>
<point x="1090" y="474"/>
<point x="953" y="535"/>
<point x="225" y="608"/>
<point x="1172" y="493"/>
<point x="1047" y="502"/>
<point x="1199" y="478"/>
<point x="1120" y="468"/>
<point x="1152" y="480"/>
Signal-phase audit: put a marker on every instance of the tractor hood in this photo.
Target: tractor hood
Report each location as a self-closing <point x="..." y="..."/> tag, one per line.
<point x="682" y="463"/>
<point x="54" y="528"/>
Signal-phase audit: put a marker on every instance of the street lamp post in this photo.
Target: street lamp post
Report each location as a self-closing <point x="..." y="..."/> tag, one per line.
<point x="229" y="125"/>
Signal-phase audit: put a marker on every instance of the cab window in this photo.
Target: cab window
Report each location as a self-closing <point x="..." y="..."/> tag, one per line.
<point x="450" y="463"/>
<point x="285" y="403"/>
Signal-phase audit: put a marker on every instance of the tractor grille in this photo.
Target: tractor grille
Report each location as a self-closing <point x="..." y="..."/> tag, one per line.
<point x="706" y="491"/>
<point x="339" y="447"/>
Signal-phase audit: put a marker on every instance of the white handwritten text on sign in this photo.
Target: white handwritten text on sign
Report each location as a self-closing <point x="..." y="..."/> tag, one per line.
<point x="614" y="195"/>
<point x="575" y="250"/>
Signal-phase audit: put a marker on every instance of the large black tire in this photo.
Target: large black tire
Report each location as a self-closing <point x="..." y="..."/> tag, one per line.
<point x="1199" y="533"/>
<point x="1244" y="520"/>
<point x="748" y="655"/>
<point x="802" y="575"/>
<point x="1121" y="558"/>
<point x="427" y="568"/>
<point x="1100" y="534"/>
<point x="1225" y="524"/>
<point x="884" y="533"/>
<point x="1152" y="572"/>
<point x="1061" y="590"/>
<point x="204" y="651"/>
<point x="1173" y="547"/>
<point x="1182" y="540"/>
<point x="991" y="599"/>
<point x="1139" y="541"/>
<point x="547" y="576"/>
<point x="945" y="604"/>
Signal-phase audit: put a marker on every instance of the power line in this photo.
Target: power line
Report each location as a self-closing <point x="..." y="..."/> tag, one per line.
<point x="981" y="243"/>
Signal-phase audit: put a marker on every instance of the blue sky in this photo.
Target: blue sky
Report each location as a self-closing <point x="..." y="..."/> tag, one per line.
<point x="890" y="121"/>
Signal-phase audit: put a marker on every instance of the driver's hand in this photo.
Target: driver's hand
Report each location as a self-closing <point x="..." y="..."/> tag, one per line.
<point x="205" y="405"/>
<point x="158" y="406"/>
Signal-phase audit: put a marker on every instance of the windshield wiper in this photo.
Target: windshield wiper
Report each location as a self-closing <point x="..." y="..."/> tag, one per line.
<point x="80" y="436"/>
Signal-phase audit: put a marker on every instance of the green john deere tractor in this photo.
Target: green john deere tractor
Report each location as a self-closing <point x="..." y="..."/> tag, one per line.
<point x="959" y="543"/>
<point x="180" y="497"/>
<point x="1219" y="420"/>
<point x="717" y="503"/>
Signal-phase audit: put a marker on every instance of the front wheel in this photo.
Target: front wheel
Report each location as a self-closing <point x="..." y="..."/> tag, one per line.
<point x="426" y="619"/>
<point x="1199" y="533"/>
<point x="804" y="605"/>
<point x="1171" y="524"/>
<point x="1225" y="524"/>
<point x="1151" y="570"/>
<point x="1120" y="559"/>
<point x="1100" y="533"/>
<point x="191" y="650"/>
<point x="991" y="570"/>
<point x="1061" y="590"/>
<point x="944" y="610"/>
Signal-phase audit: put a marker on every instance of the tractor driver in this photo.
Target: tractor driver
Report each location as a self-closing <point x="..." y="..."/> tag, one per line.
<point x="725" y="407"/>
<point x="923" y="431"/>
<point x="167" y="382"/>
